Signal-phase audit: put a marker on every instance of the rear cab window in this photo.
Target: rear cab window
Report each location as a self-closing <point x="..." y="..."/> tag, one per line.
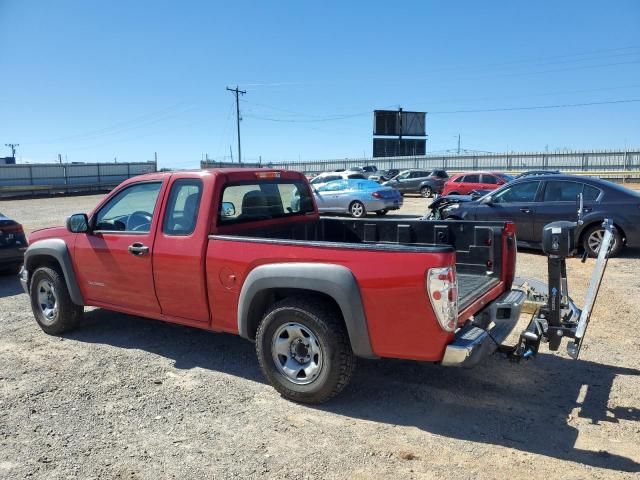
<point x="245" y="202"/>
<point x="182" y="207"/>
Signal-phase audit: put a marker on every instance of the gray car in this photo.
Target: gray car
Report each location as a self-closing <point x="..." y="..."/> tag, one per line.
<point x="411" y="181"/>
<point x="356" y="197"/>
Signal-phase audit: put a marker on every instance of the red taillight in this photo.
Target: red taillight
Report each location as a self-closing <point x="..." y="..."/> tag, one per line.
<point x="376" y="195"/>
<point x="16" y="227"/>
<point x="510" y="227"/>
<point x="268" y="175"/>
<point x="442" y="287"/>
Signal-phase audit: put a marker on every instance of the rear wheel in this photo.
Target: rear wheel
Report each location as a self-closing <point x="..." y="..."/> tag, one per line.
<point x="51" y="303"/>
<point x="304" y="350"/>
<point x="592" y="239"/>
<point x="382" y="212"/>
<point x="357" y="210"/>
<point x="426" y="192"/>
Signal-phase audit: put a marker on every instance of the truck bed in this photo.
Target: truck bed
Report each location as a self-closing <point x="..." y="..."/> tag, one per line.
<point x="478" y="245"/>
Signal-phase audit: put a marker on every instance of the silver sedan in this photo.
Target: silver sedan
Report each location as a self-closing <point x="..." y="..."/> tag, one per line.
<point x="356" y="197"/>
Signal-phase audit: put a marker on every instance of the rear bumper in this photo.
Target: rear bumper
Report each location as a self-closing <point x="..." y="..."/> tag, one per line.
<point x="12" y="255"/>
<point x="489" y="329"/>
<point x="383" y="204"/>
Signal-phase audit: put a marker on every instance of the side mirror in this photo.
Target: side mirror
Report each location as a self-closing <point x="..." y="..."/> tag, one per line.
<point x="488" y="201"/>
<point x="228" y="209"/>
<point x="78" y="223"/>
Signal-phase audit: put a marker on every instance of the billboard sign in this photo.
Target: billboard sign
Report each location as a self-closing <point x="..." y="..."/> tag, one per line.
<point x="393" y="147"/>
<point x="396" y="123"/>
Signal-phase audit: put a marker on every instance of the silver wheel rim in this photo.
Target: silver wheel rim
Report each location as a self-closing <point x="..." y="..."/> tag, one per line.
<point x="426" y="192"/>
<point x="297" y="353"/>
<point x="357" y="209"/>
<point x="595" y="240"/>
<point x="47" y="301"/>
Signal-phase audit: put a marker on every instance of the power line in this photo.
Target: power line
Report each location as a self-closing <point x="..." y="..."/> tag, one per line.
<point x="237" y="93"/>
<point x="536" y="107"/>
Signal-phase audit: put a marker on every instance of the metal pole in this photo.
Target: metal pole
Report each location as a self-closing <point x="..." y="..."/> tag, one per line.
<point x="237" y="93"/>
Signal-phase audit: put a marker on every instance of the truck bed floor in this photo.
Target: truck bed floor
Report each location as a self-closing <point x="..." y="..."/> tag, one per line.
<point x="472" y="286"/>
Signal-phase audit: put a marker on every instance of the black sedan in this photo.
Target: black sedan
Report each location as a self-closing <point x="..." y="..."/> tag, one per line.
<point x="12" y="245"/>
<point x="532" y="202"/>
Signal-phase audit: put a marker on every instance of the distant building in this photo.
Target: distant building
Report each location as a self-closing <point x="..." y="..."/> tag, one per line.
<point x="7" y="160"/>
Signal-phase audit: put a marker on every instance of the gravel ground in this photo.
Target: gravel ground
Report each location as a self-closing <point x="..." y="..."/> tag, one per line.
<point x="124" y="397"/>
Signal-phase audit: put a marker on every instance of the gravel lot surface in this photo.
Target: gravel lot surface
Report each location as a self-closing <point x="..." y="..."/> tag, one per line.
<point x="123" y="397"/>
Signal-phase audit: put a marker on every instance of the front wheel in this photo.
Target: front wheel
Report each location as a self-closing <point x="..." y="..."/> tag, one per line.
<point x="304" y="350"/>
<point x="592" y="239"/>
<point x="357" y="210"/>
<point x="51" y="303"/>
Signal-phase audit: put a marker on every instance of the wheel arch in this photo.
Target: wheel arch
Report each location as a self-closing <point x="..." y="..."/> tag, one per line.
<point x="53" y="253"/>
<point x="334" y="284"/>
<point x="592" y="223"/>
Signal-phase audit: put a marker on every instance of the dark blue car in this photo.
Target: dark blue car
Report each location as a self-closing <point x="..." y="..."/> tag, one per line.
<point x="532" y="202"/>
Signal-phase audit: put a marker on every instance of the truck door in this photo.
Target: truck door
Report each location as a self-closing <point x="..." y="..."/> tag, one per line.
<point x="180" y="250"/>
<point x="113" y="261"/>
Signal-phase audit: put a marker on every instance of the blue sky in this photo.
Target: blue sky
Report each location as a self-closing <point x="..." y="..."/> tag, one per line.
<point x="98" y="80"/>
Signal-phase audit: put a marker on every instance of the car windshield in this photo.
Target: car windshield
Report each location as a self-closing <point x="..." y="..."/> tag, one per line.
<point x="505" y="177"/>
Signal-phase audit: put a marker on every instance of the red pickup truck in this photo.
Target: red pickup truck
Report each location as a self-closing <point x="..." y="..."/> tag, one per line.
<point x="246" y="252"/>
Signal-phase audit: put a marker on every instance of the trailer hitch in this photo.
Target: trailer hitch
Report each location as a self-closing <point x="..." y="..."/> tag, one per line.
<point x="556" y="315"/>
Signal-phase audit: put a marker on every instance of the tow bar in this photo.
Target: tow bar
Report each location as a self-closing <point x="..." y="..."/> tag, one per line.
<point x="556" y="316"/>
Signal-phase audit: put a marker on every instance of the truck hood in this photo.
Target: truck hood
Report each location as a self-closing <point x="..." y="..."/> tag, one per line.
<point x="51" y="232"/>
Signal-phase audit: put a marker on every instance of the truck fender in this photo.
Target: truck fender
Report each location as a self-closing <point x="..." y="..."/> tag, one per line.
<point x="335" y="281"/>
<point x="56" y="249"/>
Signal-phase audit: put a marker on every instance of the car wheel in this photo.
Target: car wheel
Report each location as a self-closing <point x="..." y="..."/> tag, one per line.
<point x="51" y="303"/>
<point x="382" y="212"/>
<point x="426" y="192"/>
<point x="357" y="210"/>
<point x="592" y="239"/>
<point x="304" y="350"/>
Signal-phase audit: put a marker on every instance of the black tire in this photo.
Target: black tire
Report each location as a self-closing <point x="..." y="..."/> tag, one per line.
<point x="357" y="210"/>
<point x="588" y="241"/>
<point x="382" y="212"/>
<point x="426" y="192"/>
<point x="325" y="325"/>
<point x="64" y="315"/>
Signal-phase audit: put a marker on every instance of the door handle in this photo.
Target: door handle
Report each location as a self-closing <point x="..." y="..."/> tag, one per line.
<point x="525" y="210"/>
<point x="586" y="209"/>
<point x="138" y="249"/>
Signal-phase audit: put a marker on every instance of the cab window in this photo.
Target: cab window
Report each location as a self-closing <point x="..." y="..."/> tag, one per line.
<point x="182" y="208"/>
<point x="129" y="210"/>
<point x="262" y="201"/>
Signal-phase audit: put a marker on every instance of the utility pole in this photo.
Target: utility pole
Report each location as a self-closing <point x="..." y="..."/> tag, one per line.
<point x="237" y="93"/>
<point x="12" y="146"/>
<point x="60" y="158"/>
<point x="458" y="144"/>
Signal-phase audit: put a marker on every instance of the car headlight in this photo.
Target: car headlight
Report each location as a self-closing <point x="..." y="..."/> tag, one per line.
<point x="450" y="207"/>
